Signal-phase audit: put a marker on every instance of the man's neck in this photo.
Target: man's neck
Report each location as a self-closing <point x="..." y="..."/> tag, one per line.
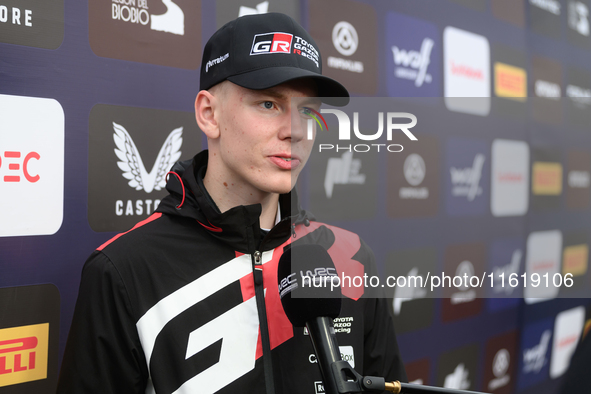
<point x="228" y="195"/>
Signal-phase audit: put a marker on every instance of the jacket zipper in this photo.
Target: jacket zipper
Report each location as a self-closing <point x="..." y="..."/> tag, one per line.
<point x="257" y="257"/>
<point x="262" y="312"/>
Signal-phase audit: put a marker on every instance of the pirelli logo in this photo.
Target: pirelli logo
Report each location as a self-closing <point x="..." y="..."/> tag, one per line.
<point x="510" y="82"/>
<point x="23" y="354"/>
<point x="547" y="178"/>
<point x="574" y="259"/>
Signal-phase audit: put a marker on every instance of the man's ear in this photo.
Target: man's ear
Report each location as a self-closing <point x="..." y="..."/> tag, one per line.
<point x="205" y="111"/>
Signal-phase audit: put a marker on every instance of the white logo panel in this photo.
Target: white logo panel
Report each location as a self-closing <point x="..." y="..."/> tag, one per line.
<point x="567" y="330"/>
<point x="510" y="178"/>
<point x="31" y="165"/>
<point x="544" y="249"/>
<point x="466" y="59"/>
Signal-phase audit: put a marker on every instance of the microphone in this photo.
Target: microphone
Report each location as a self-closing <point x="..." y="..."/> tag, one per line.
<point x="304" y="275"/>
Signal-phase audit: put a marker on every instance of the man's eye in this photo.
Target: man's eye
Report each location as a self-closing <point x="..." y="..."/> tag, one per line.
<point x="268" y="104"/>
<point x="306" y="111"/>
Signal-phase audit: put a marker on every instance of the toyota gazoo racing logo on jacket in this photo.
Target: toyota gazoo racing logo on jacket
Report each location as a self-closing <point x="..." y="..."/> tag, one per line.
<point x="278" y="42"/>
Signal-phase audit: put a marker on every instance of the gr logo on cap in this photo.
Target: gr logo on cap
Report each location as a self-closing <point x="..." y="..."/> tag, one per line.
<point x="272" y="42"/>
<point x="289" y="53"/>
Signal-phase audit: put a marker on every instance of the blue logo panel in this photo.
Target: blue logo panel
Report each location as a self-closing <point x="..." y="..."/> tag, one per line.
<point x="534" y="355"/>
<point x="467" y="177"/>
<point x="506" y="260"/>
<point x="413" y="53"/>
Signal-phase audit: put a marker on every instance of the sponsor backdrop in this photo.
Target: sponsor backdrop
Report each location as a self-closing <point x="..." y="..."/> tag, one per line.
<point x="96" y="102"/>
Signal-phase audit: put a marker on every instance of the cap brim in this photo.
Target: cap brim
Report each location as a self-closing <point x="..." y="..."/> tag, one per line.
<point x="330" y="91"/>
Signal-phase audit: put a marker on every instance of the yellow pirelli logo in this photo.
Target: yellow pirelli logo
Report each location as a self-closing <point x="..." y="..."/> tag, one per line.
<point x="547" y="178"/>
<point x="23" y="354"/>
<point x="510" y="82"/>
<point x="575" y="260"/>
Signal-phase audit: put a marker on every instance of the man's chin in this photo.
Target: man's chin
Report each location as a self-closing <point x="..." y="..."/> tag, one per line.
<point x="283" y="188"/>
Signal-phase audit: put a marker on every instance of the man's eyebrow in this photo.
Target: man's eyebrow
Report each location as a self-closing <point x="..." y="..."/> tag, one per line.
<point x="311" y="101"/>
<point x="281" y="96"/>
<point x="274" y="93"/>
<point x="269" y="92"/>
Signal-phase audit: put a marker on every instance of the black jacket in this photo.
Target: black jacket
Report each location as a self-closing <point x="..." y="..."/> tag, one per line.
<point x="170" y="305"/>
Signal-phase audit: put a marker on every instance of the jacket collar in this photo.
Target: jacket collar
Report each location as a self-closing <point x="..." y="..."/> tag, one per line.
<point x="239" y="227"/>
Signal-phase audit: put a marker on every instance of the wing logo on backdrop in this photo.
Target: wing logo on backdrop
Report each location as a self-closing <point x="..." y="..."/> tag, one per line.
<point x="342" y="171"/>
<point x="578" y="17"/>
<point x="458" y="379"/>
<point x="130" y="152"/>
<point x="132" y="165"/>
<point x="261" y="8"/>
<point x="413" y="65"/>
<point x="172" y="21"/>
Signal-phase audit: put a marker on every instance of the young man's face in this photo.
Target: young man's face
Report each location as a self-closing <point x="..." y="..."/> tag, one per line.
<point x="263" y="140"/>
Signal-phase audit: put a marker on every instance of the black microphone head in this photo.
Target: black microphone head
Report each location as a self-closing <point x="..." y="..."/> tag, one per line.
<point x="309" y="285"/>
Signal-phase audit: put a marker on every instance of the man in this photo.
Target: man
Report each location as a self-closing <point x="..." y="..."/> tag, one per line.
<point x="187" y="301"/>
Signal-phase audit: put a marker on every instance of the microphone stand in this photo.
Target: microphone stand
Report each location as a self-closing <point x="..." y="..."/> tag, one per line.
<point x="342" y="379"/>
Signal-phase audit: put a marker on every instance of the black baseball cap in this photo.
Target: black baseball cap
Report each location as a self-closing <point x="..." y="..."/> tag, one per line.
<point x="265" y="50"/>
